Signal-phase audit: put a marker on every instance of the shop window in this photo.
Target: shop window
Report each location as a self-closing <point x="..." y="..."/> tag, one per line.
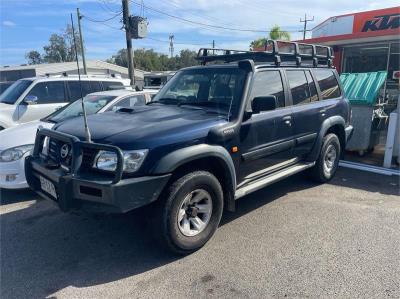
<point x="367" y="58"/>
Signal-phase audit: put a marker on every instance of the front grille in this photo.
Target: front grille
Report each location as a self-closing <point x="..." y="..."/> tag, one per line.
<point x="88" y="156"/>
<point x="60" y="152"/>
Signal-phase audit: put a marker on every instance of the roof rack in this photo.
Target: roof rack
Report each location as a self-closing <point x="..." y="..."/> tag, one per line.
<point x="277" y="53"/>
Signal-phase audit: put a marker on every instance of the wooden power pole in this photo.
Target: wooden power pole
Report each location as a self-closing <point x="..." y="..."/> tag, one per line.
<point x="81" y="40"/>
<point x="305" y="24"/>
<point x="125" y="11"/>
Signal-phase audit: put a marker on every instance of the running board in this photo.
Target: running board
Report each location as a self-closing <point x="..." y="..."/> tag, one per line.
<point x="272" y="178"/>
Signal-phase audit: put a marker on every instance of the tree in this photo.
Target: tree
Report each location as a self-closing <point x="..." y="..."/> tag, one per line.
<point x="34" y="57"/>
<point x="149" y="60"/>
<point x="276" y="34"/>
<point x="59" y="49"/>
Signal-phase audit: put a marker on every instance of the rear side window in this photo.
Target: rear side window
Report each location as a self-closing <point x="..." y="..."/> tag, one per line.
<point x="327" y="83"/>
<point x="110" y="85"/>
<point x="95" y="86"/>
<point x="269" y="83"/>
<point x="49" y="92"/>
<point x="74" y="89"/>
<point x="298" y="87"/>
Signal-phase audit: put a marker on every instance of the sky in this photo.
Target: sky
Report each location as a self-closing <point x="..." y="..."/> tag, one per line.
<point x="26" y="24"/>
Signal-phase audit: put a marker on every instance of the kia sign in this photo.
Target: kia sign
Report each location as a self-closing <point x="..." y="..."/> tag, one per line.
<point x="396" y="75"/>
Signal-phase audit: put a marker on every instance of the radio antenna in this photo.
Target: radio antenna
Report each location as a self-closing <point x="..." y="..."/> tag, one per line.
<point x="87" y="132"/>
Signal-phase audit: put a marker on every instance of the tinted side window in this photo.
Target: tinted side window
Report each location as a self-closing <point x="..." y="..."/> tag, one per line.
<point x="49" y="92"/>
<point x="75" y="89"/>
<point x="328" y="84"/>
<point x="269" y="83"/>
<point x="129" y="102"/>
<point x="109" y="85"/>
<point x="298" y="87"/>
<point x="312" y="88"/>
<point x="95" y="86"/>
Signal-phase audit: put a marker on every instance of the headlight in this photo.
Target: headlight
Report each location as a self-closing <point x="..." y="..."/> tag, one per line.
<point x="106" y="160"/>
<point x="15" y="153"/>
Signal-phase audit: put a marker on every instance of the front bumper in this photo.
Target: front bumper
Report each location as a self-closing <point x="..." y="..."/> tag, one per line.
<point x="12" y="175"/>
<point x="92" y="192"/>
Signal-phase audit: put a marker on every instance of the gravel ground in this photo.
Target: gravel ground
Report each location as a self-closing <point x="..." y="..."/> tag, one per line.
<point x="293" y="239"/>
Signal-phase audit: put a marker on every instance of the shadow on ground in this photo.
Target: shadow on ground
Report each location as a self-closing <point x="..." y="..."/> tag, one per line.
<point x="44" y="250"/>
<point x="15" y="196"/>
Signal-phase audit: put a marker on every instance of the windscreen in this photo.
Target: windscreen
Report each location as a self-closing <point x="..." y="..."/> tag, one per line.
<point x="215" y="88"/>
<point x="11" y="94"/>
<point x="93" y="103"/>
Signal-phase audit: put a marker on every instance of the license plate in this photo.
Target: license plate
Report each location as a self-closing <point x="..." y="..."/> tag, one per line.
<point x="48" y="187"/>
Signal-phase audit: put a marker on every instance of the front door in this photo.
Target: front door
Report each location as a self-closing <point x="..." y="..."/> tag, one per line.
<point x="50" y="96"/>
<point x="266" y="138"/>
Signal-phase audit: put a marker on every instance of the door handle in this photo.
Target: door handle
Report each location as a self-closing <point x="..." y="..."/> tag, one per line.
<point x="288" y="120"/>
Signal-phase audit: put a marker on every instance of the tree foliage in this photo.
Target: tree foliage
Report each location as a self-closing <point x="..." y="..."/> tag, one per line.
<point x="59" y="49"/>
<point x="276" y="34"/>
<point x="34" y="57"/>
<point x="149" y="60"/>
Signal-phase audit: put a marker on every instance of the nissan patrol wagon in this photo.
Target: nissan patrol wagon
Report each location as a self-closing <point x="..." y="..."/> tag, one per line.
<point x="214" y="133"/>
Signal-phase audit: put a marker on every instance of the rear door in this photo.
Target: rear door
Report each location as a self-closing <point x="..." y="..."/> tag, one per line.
<point x="307" y="111"/>
<point x="50" y="97"/>
<point x="310" y="106"/>
<point x="267" y="137"/>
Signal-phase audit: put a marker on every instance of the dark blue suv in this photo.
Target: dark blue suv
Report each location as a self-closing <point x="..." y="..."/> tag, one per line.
<point x="213" y="134"/>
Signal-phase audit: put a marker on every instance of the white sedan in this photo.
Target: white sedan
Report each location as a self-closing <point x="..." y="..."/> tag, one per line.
<point x="17" y="142"/>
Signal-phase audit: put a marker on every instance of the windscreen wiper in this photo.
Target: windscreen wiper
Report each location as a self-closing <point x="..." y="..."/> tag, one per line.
<point x="165" y="101"/>
<point x="203" y="103"/>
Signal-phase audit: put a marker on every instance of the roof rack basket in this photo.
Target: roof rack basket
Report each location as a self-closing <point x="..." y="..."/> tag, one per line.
<point x="276" y="53"/>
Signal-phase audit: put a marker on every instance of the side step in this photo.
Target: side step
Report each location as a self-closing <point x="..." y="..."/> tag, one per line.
<point x="272" y="178"/>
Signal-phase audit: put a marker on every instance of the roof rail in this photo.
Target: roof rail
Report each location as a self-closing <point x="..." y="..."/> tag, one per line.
<point x="99" y="76"/>
<point x="277" y="53"/>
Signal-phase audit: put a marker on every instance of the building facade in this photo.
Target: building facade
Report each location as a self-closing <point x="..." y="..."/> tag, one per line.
<point x="94" y="68"/>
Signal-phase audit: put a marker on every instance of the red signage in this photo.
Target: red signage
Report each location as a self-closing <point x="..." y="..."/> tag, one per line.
<point x="382" y="20"/>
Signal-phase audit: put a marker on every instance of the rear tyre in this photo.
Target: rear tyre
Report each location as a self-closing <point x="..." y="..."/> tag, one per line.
<point x="328" y="160"/>
<point x="190" y="212"/>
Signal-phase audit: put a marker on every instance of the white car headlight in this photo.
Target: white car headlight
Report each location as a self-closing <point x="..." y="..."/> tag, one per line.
<point x="106" y="160"/>
<point x="15" y="153"/>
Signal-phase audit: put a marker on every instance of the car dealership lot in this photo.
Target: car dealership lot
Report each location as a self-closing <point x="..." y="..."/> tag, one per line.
<point x="292" y="239"/>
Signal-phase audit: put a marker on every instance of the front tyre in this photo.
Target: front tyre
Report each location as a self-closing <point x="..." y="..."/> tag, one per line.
<point x="190" y="212"/>
<point x="328" y="160"/>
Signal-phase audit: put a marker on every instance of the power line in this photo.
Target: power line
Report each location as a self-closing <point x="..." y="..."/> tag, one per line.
<point x="208" y="26"/>
<point x="177" y="43"/>
<point x="104" y="6"/>
<point x="104" y="24"/>
<point x="202" y="15"/>
<point x="105" y="20"/>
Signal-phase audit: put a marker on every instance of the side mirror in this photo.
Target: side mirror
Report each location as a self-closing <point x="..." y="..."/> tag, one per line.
<point x="31" y="100"/>
<point x="267" y="103"/>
